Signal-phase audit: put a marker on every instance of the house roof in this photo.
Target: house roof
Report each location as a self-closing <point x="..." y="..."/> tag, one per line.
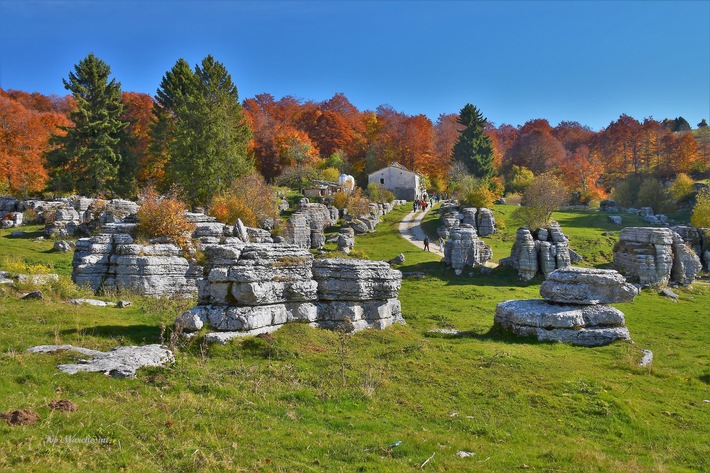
<point x="395" y="165"/>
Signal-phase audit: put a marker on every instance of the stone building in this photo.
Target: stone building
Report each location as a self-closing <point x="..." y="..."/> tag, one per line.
<point x="403" y="183"/>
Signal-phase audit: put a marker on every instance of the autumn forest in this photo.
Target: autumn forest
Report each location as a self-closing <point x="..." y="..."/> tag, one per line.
<point x="333" y="136"/>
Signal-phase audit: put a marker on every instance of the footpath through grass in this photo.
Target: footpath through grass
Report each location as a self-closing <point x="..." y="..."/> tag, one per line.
<point x="307" y="399"/>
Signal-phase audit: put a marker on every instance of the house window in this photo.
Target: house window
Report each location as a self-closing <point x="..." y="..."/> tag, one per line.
<point x="382" y="181"/>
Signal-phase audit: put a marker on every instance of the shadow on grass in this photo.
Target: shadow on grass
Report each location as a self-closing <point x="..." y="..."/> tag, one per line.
<point x="494" y="334"/>
<point x="497" y="277"/>
<point x="26" y="235"/>
<point x="134" y="334"/>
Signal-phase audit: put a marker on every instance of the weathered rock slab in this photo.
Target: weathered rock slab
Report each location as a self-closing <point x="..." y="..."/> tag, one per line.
<point x="120" y="362"/>
<point x="573" y="285"/>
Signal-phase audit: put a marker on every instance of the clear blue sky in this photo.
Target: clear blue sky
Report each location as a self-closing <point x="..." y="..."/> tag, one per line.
<point x="585" y="61"/>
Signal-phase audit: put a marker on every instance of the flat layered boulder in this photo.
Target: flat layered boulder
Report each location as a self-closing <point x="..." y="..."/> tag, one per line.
<point x="573" y="285"/>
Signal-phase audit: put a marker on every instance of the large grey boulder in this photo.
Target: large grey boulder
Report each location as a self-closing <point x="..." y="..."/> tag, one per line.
<point x="346" y="240"/>
<point x="120" y="362"/>
<point x="524" y="255"/>
<point x="573" y="285"/>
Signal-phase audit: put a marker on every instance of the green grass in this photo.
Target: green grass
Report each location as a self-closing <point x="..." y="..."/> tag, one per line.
<point x="279" y="404"/>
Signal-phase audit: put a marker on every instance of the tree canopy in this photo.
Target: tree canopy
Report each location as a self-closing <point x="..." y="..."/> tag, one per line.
<point x="87" y="157"/>
<point x="200" y="132"/>
<point x="473" y="147"/>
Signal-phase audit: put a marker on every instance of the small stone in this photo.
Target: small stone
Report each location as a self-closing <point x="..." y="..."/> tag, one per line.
<point x="34" y="295"/>
<point x="123" y="304"/>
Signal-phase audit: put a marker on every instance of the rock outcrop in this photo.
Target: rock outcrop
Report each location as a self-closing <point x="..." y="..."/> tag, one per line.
<point x="655" y="257"/>
<point x="465" y="249"/>
<point x="259" y="287"/>
<point x="542" y="252"/>
<point x="115" y="263"/>
<point x="305" y="226"/>
<point x="574" y="309"/>
<point x="481" y="219"/>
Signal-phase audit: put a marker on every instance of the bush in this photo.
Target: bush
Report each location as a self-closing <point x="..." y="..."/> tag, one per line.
<point x="626" y="191"/>
<point x="682" y="189"/>
<point x="377" y="193"/>
<point x="250" y="199"/>
<point x="478" y="197"/>
<point x="358" y="205"/>
<point x="545" y="194"/>
<point x="340" y="200"/>
<point x="164" y="217"/>
<point x="701" y="211"/>
<point x="653" y="194"/>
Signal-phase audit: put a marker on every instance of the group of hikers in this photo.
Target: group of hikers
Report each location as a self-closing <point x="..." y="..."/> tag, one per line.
<point x="426" y="201"/>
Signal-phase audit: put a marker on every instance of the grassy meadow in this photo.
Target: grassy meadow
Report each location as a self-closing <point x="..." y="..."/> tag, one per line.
<point x="401" y="399"/>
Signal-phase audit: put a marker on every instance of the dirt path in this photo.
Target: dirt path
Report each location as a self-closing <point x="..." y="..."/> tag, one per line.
<point x="411" y="229"/>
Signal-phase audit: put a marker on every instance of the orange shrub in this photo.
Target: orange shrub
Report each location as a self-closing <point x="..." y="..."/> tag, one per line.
<point x="165" y="217"/>
<point x="229" y="208"/>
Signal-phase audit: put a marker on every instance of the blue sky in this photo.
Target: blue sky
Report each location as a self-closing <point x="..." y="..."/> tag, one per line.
<point x="585" y="61"/>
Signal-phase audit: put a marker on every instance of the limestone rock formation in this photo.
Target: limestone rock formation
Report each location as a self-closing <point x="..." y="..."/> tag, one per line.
<point x="114" y="262"/>
<point x="655" y="257"/>
<point x="465" y="249"/>
<point x="544" y="251"/>
<point x="574" y="310"/>
<point x="481" y="219"/>
<point x="573" y="285"/>
<point x="305" y="226"/>
<point x="256" y="287"/>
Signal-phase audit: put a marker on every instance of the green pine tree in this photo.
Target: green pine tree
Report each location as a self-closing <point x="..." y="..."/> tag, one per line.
<point x="87" y="159"/>
<point x="473" y="148"/>
<point x="201" y="128"/>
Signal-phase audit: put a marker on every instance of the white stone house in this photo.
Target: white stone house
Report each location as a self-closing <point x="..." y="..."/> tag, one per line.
<point x="403" y="183"/>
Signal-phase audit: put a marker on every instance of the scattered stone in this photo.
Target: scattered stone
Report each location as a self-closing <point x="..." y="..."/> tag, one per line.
<point x="122" y="304"/>
<point x="399" y="259"/>
<point x="120" y="362"/>
<point x="666" y="291"/>
<point x="63" y="405"/>
<point x="64" y="246"/>
<point x="647" y="358"/>
<point x="91" y="302"/>
<point x="444" y="331"/>
<point x="21" y="417"/>
<point x="464" y="454"/>
<point x="615" y="219"/>
<point x="34" y="295"/>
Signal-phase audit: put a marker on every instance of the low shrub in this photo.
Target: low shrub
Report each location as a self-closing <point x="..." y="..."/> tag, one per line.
<point x="164" y="217"/>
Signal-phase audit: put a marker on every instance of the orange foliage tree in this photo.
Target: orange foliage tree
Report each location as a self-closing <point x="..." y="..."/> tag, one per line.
<point x="24" y="140"/>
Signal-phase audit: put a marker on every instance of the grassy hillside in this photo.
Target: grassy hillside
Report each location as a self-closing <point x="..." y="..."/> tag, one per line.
<point x="306" y="399"/>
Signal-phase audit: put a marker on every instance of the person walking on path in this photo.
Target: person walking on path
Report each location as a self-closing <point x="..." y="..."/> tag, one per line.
<point x="426" y="243"/>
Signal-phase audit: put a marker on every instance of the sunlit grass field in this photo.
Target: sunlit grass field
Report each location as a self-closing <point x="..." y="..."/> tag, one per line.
<point x="313" y="400"/>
